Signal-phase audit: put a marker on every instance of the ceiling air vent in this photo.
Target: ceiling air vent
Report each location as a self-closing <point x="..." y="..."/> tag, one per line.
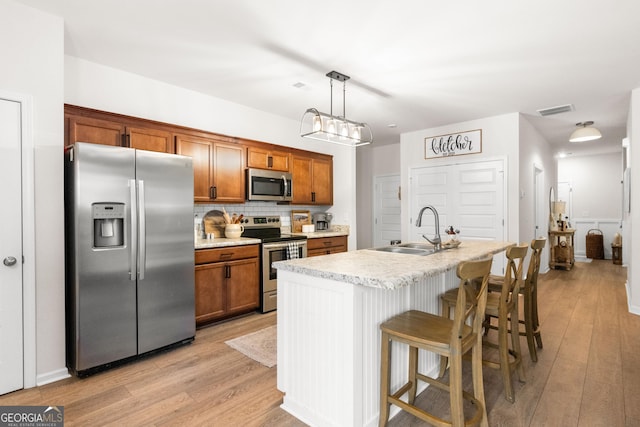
<point x="556" y="110"/>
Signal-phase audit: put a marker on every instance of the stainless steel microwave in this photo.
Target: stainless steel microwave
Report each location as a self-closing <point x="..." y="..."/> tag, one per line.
<point x="265" y="184"/>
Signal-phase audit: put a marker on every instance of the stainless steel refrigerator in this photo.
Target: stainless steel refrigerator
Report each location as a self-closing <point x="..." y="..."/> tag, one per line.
<point x="129" y="254"/>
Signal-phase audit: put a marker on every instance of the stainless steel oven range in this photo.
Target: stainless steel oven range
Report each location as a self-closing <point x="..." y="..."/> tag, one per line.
<point x="275" y="246"/>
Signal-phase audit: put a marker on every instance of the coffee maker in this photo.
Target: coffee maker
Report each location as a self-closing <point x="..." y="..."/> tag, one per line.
<point x="322" y="221"/>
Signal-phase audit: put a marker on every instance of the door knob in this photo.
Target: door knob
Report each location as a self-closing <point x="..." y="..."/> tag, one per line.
<point x="9" y="261"/>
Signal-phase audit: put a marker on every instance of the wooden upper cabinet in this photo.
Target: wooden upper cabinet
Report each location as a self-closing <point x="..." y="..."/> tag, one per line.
<point x="268" y="159"/>
<point x="218" y="169"/>
<point x="301" y="169"/>
<point x="219" y="161"/>
<point x="149" y="139"/>
<point x="201" y="151"/>
<point x="96" y="131"/>
<point x="312" y="180"/>
<point x="228" y="173"/>
<point x="106" y="132"/>
<point x="323" y="182"/>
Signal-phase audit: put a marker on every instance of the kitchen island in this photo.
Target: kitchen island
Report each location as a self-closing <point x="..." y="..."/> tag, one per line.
<point x="329" y="311"/>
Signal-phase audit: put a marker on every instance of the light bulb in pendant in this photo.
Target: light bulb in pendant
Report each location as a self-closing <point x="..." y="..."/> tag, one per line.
<point x="331" y="127"/>
<point x="344" y="130"/>
<point x="317" y="123"/>
<point x="356" y="133"/>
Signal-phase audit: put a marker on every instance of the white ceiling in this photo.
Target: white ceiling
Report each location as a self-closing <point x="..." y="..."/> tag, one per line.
<point x="413" y="63"/>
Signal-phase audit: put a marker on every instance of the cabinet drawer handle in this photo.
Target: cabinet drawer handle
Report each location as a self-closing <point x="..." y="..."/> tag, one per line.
<point x="269" y="162"/>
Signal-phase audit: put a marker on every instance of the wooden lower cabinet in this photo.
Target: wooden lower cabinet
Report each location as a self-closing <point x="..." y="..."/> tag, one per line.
<point x="326" y="245"/>
<point x="226" y="282"/>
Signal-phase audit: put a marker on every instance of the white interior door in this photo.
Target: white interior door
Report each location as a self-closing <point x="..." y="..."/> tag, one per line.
<point x="11" y="342"/>
<point x="467" y="196"/>
<point x="386" y="223"/>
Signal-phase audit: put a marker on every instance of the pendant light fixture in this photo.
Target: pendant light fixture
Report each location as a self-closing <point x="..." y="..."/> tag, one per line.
<point x="585" y="133"/>
<point x="335" y="129"/>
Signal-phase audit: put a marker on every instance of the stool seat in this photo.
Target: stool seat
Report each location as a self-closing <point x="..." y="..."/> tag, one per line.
<point x="446" y="337"/>
<point x="411" y="326"/>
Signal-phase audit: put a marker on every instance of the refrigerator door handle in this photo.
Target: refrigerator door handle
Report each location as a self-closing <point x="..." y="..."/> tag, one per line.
<point x="133" y="238"/>
<point x="142" y="259"/>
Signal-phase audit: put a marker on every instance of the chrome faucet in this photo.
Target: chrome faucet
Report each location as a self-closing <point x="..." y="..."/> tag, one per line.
<point x="436" y="241"/>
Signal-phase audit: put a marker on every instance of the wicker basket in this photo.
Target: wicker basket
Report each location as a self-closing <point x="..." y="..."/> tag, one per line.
<point x="562" y="253"/>
<point x="595" y="246"/>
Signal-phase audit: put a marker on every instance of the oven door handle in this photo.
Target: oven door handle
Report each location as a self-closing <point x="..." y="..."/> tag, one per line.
<point x="281" y="245"/>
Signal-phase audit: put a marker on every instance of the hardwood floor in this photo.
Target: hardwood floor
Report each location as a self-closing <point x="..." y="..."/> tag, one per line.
<point x="588" y="373"/>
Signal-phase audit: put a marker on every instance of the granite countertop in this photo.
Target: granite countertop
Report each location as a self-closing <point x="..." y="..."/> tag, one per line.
<point x="321" y="234"/>
<point x="336" y="230"/>
<point x="222" y="242"/>
<point x="386" y="270"/>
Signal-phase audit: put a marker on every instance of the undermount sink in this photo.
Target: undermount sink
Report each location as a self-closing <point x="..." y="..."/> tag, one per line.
<point x="424" y="246"/>
<point x="407" y="248"/>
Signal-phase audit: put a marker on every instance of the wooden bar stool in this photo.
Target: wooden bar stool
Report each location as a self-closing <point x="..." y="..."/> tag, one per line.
<point x="529" y="292"/>
<point x="448" y="337"/>
<point x="530" y="297"/>
<point x="504" y="307"/>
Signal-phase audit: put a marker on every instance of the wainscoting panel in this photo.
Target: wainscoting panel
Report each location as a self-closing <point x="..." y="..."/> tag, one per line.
<point x="329" y="345"/>
<point x="609" y="228"/>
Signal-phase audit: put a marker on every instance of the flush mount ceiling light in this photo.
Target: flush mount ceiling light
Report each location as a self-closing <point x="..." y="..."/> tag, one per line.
<point x="336" y="129"/>
<point x="585" y="133"/>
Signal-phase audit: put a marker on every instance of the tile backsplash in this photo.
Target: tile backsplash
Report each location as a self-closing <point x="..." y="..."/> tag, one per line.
<point x="259" y="208"/>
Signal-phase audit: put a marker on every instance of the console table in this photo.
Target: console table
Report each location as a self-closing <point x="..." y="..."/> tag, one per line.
<point x="561" y="253"/>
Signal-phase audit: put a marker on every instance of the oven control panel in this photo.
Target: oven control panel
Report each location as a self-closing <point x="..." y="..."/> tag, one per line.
<point x="261" y="222"/>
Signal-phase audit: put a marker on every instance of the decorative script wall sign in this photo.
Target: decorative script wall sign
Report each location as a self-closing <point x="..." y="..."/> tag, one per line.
<point x="453" y="144"/>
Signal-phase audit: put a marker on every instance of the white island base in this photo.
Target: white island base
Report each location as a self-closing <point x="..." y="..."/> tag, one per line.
<point x="328" y="327"/>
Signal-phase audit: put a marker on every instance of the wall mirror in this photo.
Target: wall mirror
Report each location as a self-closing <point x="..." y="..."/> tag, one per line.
<point x="552" y="199"/>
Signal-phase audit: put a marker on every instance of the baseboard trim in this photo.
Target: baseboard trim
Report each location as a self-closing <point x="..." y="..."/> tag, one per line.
<point x="52" y="376"/>
<point x="632" y="308"/>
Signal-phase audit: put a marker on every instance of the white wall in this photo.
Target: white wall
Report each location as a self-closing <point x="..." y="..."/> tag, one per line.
<point x="96" y="86"/>
<point x="372" y="160"/>
<point x="500" y="140"/>
<point x="596" y="196"/>
<point x="32" y="52"/>
<point x="595" y="183"/>
<point x="535" y="152"/>
<point x="633" y="277"/>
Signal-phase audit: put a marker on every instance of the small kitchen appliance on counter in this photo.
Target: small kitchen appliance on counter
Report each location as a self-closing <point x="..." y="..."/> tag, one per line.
<point x="322" y="221"/>
<point x="275" y="247"/>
